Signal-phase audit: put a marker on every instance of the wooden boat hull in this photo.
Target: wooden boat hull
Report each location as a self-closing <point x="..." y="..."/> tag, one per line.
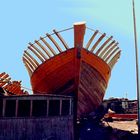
<point x="58" y="76"/>
<point x="81" y="71"/>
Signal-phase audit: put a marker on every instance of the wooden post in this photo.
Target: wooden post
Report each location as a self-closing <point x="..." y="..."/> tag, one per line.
<point x="16" y="114"/>
<point x="79" y="31"/>
<point x="60" y="107"/>
<point x="4" y="106"/>
<point x="47" y="107"/>
<point x="31" y="107"/>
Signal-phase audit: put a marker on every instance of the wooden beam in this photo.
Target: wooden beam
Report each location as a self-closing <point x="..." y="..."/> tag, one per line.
<point x="3" y="79"/>
<point x="47" y="44"/>
<point x="39" y="57"/>
<point x="79" y="32"/>
<point x="1" y="74"/>
<point x="98" y="41"/>
<point x="39" y="51"/>
<point x="43" y="48"/>
<point x="103" y="52"/>
<point x="109" y="51"/>
<point x="30" y="60"/>
<point x="54" y="42"/>
<point x="114" y="59"/>
<point x="103" y="45"/>
<point x="61" y="39"/>
<point x="106" y="60"/>
<point x="31" y="66"/>
<point x="28" y="54"/>
<point x="91" y="39"/>
<point x="27" y="67"/>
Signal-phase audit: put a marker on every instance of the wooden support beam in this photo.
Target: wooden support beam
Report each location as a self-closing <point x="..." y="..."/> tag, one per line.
<point x="47" y="44"/>
<point x="98" y="41"/>
<point x="43" y="48"/>
<point x="109" y="51"/>
<point x="31" y="66"/>
<point x="103" y="52"/>
<point x="39" y="51"/>
<point x="27" y="66"/>
<point x="114" y="59"/>
<point x="61" y="39"/>
<point x="91" y="39"/>
<point x="111" y="55"/>
<point x="28" y="54"/>
<point x="38" y="56"/>
<point x="54" y="42"/>
<point x="103" y="45"/>
<point x="30" y="60"/>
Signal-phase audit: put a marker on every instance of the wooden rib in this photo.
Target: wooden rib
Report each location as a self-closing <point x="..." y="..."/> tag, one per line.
<point x="27" y="67"/>
<point x="39" y="51"/>
<point x="103" y="45"/>
<point x="54" y="42"/>
<point x="47" y="44"/>
<point x="31" y="61"/>
<point x="31" y="58"/>
<point x="31" y="66"/>
<point x="111" y="54"/>
<point x="103" y="52"/>
<point x="39" y="57"/>
<point x="91" y="39"/>
<point x="61" y="39"/>
<point x="98" y="41"/>
<point x="43" y="48"/>
<point x="109" y="50"/>
<point x="114" y="59"/>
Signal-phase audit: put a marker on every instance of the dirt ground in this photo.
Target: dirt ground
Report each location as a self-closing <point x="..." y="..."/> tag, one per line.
<point x="124" y="125"/>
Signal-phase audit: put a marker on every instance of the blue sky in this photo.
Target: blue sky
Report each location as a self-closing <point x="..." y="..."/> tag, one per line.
<point x="24" y="21"/>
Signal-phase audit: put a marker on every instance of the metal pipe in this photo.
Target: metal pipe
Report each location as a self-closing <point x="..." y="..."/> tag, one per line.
<point x="137" y="66"/>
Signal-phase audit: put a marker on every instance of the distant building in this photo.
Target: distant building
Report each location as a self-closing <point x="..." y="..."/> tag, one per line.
<point x="121" y="105"/>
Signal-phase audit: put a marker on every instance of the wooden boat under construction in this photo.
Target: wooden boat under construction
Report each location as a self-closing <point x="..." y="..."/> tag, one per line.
<point x="82" y="71"/>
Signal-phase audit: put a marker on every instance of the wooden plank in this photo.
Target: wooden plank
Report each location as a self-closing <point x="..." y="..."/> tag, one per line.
<point x="109" y="51"/>
<point x="28" y="54"/>
<point x="39" y="51"/>
<point x="98" y="41"/>
<point x="91" y="39"/>
<point x="43" y="48"/>
<point x="103" y="52"/>
<point x="3" y="79"/>
<point x="61" y="39"/>
<point x="1" y="74"/>
<point x="39" y="57"/>
<point x="103" y="45"/>
<point x="47" y="44"/>
<point x="54" y="42"/>
<point x="30" y="60"/>
<point x="106" y="60"/>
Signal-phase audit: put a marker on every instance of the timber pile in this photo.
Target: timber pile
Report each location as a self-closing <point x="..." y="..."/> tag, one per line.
<point x="9" y="87"/>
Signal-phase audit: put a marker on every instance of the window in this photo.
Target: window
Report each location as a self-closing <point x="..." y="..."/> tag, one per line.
<point x="39" y="108"/>
<point x="23" y="108"/>
<point x="54" y="107"/>
<point x="65" y="107"/>
<point x="10" y="108"/>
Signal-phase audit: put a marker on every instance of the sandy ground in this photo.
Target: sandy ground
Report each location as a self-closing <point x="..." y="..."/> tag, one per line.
<point x="124" y="125"/>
